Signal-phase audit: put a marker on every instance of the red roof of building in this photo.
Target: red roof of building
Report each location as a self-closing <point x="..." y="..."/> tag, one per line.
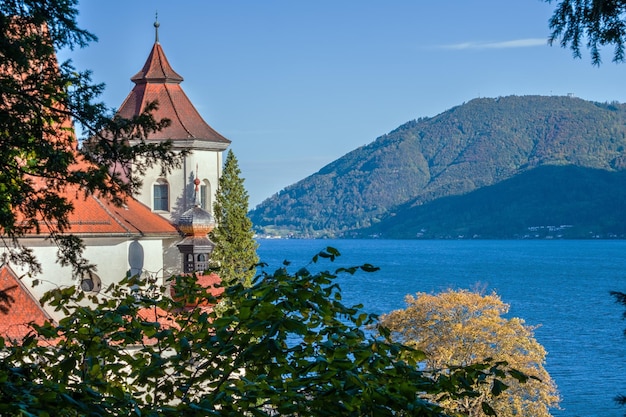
<point x="97" y="216"/>
<point x="157" y="81"/>
<point x="156" y="314"/>
<point x="168" y="319"/>
<point x="211" y="282"/>
<point x="18" y="308"/>
<point x="93" y="215"/>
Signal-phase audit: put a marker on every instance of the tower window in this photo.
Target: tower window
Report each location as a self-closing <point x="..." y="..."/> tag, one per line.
<point x="161" y="196"/>
<point x="203" y="196"/>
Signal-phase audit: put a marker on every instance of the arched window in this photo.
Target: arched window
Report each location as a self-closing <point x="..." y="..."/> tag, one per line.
<point x="205" y="195"/>
<point x="201" y="257"/>
<point x="161" y="192"/>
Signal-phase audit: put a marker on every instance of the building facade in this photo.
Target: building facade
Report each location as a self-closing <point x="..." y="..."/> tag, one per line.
<point x="142" y="236"/>
<point x="173" y="194"/>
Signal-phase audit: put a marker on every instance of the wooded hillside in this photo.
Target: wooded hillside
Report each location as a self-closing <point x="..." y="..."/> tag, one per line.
<point x="377" y="187"/>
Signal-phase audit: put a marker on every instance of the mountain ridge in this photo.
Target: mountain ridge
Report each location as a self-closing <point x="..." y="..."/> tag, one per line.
<point x="474" y="145"/>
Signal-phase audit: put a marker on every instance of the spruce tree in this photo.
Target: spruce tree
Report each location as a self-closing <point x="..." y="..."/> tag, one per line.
<point x="235" y="247"/>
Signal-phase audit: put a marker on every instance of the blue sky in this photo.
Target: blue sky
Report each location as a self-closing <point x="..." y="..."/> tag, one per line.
<point x="298" y="84"/>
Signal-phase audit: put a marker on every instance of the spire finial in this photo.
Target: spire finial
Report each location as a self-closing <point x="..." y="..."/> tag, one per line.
<point x="197" y="190"/>
<point x="156" y="27"/>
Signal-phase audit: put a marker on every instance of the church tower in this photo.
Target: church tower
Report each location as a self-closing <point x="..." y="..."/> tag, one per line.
<point x="172" y="195"/>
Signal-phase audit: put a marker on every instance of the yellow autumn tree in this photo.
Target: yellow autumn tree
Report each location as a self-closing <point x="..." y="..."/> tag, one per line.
<point x="460" y="328"/>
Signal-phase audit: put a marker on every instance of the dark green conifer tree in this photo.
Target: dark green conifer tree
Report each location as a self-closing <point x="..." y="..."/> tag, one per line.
<point x="235" y="247"/>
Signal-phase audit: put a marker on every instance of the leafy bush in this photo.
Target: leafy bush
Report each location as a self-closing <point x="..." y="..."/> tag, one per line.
<point x="285" y="346"/>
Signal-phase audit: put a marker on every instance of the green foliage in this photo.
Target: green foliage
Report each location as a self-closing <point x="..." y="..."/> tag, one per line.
<point x="235" y="247"/>
<point x="288" y="346"/>
<point x="478" y="144"/>
<point x="41" y="162"/>
<point x="599" y="22"/>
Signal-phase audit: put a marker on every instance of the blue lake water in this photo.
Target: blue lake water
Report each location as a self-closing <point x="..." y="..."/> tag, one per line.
<point x="563" y="286"/>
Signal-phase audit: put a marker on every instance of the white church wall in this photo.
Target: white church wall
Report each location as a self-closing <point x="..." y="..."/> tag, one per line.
<point x="180" y="183"/>
<point x="114" y="259"/>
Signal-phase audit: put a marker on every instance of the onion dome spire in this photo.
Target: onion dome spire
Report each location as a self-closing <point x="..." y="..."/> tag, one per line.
<point x="196" y="182"/>
<point x="196" y="223"/>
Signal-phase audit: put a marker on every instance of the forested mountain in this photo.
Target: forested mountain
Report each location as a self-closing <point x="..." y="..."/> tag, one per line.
<point x="549" y="201"/>
<point x="478" y="144"/>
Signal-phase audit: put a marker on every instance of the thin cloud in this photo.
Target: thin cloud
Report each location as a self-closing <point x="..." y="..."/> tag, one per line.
<point x="517" y="43"/>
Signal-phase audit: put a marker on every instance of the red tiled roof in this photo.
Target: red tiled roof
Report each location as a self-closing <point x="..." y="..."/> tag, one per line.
<point x="158" y="315"/>
<point x="158" y="81"/>
<point x="157" y="69"/>
<point x="167" y="319"/>
<point x="212" y="282"/>
<point x="18" y="308"/>
<point x="213" y="285"/>
<point x="93" y="215"/>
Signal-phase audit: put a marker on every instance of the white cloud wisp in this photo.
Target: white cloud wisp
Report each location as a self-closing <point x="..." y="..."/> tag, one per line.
<point x="517" y="43"/>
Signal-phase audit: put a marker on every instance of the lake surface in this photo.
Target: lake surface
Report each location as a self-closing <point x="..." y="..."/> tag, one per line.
<point x="563" y="286"/>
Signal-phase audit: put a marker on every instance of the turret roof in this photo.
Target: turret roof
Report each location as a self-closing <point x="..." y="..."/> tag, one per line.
<point x="157" y="81"/>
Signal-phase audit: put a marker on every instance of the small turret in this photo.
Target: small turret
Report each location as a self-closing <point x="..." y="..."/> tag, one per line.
<point x="196" y="223"/>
